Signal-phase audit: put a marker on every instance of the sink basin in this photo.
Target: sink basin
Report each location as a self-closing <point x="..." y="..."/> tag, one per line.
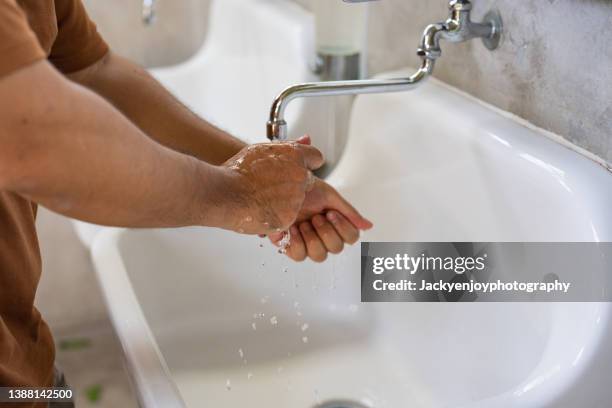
<point x="207" y="317"/>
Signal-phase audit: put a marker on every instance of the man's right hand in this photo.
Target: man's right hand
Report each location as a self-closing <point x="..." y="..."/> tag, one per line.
<point x="268" y="184"/>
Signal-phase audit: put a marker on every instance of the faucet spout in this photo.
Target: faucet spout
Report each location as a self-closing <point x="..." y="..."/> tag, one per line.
<point x="277" y="126"/>
<point x="458" y="27"/>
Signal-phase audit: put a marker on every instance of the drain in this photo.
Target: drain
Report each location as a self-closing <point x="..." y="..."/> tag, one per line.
<point x="341" y="404"/>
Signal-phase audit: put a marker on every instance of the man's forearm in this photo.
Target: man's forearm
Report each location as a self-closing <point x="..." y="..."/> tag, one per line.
<point x="159" y="114"/>
<point x="70" y="150"/>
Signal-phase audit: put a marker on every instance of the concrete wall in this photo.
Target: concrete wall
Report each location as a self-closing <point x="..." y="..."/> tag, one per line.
<point x="553" y="69"/>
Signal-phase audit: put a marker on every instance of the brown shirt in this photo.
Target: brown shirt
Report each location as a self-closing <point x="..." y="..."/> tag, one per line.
<point x="31" y="30"/>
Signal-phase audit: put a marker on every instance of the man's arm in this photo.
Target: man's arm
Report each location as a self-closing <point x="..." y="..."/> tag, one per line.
<point x="71" y="151"/>
<point x="133" y="91"/>
<point x="142" y="99"/>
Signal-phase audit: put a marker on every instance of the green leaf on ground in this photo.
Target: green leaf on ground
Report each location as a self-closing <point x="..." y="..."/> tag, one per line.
<point x="75" y="343"/>
<point x="94" y="393"/>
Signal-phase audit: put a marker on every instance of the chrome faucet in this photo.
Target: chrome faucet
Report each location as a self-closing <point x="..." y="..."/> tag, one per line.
<point x="457" y="28"/>
<point x="148" y="11"/>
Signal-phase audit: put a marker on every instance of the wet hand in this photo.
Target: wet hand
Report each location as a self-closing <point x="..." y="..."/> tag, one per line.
<point x="267" y="185"/>
<point x="325" y="224"/>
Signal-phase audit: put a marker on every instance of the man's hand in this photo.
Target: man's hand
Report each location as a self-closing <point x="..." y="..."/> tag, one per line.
<point x="324" y="225"/>
<point x="269" y="183"/>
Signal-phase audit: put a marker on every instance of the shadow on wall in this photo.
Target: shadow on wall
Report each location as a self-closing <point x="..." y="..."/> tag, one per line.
<point x="177" y="33"/>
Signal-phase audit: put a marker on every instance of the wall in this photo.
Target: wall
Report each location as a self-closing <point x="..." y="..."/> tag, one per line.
<point x="553" y="69"/>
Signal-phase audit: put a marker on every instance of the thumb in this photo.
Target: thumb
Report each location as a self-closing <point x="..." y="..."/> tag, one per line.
<point x="337" y="202"/>
<point x="305" y="140"/>
<point x="313" y="158"/>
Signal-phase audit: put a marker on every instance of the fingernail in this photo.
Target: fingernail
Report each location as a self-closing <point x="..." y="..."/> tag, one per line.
<point x="318" y="221"/>
<point x="332" y="217"/>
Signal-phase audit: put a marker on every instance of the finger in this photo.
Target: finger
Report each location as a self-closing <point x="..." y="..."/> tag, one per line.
<point x="314" y="247"/>
<point x="339" y="203"/>
<point x="313" y="158"/>
<point x="328" y="235"/>
<point x="305" y="140"/>
<point x="275" y="237"/>
<point x="347" y="231"/>
<point x="297" y="248"/>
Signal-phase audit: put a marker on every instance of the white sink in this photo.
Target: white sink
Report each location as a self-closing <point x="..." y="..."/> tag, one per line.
<point x="428" y="165"/>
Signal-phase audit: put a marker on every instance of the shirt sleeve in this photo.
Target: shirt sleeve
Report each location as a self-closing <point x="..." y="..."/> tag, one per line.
<point x="78" y="43"/>
<point x="19" y="46"/>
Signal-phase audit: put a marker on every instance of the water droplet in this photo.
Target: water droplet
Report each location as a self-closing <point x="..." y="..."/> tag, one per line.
<point x="296" y="304"/>
<point x="265" y="299"/>
<point x="286" y="270"/>
<point x="241" y="353"/>
<point x="274" y="320"/>
<point x="261" y="245"/>
<point x="305" y="327"/>
<point x="254" y="326"/>
<point x="298" y="313"/>
<point x="305" y="339"/>
<point x="249" y="376"/>
<point x="240" y="230"/>
<point x="228" y="385"/>
<point x="284" y="242"/>
<point x="279" y="369"/>
<point x="353" y="308"/>
<point x="248" y="219"/>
